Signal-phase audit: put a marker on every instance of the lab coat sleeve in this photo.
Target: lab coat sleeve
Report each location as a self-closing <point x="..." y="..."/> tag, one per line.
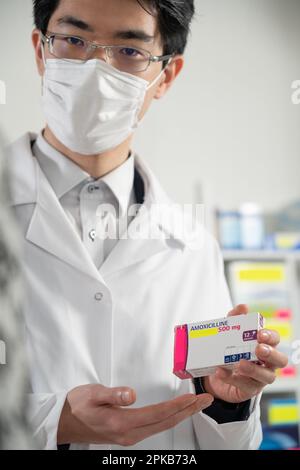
<point x="44" y="414"/>
<point x="237" y="435"/>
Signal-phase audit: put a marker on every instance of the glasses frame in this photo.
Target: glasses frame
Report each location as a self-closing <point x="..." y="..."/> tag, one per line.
<point x="93" y="46"/>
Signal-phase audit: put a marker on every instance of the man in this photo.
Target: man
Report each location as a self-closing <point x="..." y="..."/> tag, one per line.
<point x="100" y="312"/>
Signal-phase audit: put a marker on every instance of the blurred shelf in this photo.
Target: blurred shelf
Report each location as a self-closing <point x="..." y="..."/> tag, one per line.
<point x="232" y="255"/>
<point x="283" y="385"/>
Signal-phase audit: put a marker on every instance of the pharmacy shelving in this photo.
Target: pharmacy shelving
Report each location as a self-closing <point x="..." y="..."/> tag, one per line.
<point x="291" y="260"/>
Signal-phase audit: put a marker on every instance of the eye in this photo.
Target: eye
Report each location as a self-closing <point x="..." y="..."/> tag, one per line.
<point x="130" y="52"/>
<point x="73" y="41"/>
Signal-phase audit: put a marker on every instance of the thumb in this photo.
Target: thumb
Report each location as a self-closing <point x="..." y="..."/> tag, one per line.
<point x="120" y="396"/>
<point x="241" y="309"/>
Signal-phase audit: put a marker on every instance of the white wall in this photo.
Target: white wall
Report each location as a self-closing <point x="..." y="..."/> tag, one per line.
<point x="229" y="121"/>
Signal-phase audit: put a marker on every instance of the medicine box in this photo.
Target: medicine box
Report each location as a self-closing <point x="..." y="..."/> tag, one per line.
<point x="199" y="348"/>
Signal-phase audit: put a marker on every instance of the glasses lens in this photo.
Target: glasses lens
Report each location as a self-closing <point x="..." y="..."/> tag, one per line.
<point x="69" y="47"/>
<point x="128" y="59"/>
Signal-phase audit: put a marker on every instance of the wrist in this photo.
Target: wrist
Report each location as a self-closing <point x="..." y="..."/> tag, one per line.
<point x="69" y="428"/>
<point x="63" y="425"/>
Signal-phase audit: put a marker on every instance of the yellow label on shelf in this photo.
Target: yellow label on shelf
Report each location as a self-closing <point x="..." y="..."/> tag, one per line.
<point x="283" y="414"/>
<point x="262" y="273"/>
<point x="201" y="333"/>
<point x="266" y="312"/>
<point x="283" y="328"/>
<point x="287" y="240"/>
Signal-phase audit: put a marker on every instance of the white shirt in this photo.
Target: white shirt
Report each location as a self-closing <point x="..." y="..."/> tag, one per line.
<point x="81" y="195"/>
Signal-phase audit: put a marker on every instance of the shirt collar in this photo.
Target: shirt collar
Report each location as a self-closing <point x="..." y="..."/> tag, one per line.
<point x="120" y="181"/>
<point x="63" y="174"/>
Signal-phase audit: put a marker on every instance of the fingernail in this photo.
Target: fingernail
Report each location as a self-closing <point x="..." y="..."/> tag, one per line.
<point x="265" y="335"/>
<point x="265" y="350"/>
<point x="125" y="396"/>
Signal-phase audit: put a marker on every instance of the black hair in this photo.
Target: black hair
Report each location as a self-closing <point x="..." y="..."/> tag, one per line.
<point x="174" y="19"/>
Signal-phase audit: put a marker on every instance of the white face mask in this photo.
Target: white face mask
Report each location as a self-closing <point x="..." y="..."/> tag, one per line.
<point x="91" y="107"/>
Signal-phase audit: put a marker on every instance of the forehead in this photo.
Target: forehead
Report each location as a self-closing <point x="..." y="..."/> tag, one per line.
<point x="105" y="17"/>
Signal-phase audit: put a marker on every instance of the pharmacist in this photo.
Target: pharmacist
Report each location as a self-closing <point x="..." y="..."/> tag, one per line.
<point x="100" y="312"/>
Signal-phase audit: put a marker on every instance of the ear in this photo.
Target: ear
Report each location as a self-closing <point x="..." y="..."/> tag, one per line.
<point x="36" y="41"/>
<point x="170" y="74"/>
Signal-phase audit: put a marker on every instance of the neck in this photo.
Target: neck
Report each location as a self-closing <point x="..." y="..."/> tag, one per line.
<point x="95" y="165"/>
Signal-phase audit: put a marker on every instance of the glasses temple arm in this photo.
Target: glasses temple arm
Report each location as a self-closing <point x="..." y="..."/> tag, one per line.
<point x="161" y="58"/>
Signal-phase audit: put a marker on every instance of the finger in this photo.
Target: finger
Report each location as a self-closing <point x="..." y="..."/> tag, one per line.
<point x="270" y="337"/>
<point x="241" y="309"/>
<point x="122" y="396"/>
<point x="271" y="356"/>
<point x="261" y="374"/>
<point x="155" y="413"/>
<point x="245" y="384"/>
<point x="172" y="421"/>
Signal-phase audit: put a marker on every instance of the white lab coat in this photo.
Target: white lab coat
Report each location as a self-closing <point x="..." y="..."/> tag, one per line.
<point x="115" y="326"/>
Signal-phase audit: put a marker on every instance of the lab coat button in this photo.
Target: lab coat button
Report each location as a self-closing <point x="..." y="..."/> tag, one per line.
<point x="99" y="296"/>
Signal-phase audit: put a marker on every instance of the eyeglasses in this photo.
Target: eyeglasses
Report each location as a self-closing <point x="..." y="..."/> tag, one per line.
<point x="123" y="57"/>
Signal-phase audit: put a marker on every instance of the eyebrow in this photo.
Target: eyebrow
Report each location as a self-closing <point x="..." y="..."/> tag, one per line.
<point x="136" y="34"/>
<point x="72" y="21"/>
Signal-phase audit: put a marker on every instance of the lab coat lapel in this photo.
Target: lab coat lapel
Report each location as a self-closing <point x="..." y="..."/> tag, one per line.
<point x="131" y="250"/>
<point x="51" y="230"/>
<point x="149" y="232"/>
